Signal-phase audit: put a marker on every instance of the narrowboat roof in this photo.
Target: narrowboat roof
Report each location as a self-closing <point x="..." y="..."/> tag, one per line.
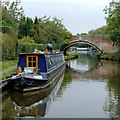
<point x="39" y="53"/>
<point x="31" y="53"/>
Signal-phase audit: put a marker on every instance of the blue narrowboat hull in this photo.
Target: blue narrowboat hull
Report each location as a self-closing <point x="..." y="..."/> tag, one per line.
<point x="29" y="82"/>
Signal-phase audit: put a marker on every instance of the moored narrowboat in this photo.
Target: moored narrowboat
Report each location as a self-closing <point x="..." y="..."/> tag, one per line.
<point x="48" y="67"/>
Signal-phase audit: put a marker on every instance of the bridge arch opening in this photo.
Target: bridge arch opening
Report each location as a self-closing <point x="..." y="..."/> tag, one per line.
<point x="66" y="46"/>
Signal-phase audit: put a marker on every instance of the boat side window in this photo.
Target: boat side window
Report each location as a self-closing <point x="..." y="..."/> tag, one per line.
<point x="52" y="61"/>
<point x="49" y="62"/>
<point x="56" y="60"/>
<point x="32" y="61"/>
<point x="59" y="58"/>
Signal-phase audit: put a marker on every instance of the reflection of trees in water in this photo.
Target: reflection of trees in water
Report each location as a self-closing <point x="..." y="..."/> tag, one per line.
<point x="7" y="106"/>
<point x="112" y="104"/>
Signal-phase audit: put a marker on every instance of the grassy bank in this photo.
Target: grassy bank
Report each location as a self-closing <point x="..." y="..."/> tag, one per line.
<point x="114" y="56"/>
<point x="5" y="65"/>
<point x="8" y="73"/>
<point x="8" y="63"/>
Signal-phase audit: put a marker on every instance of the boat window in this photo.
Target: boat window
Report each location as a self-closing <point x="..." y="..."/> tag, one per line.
<point x="34" y="64"/>
<point x="52" y="61"/>
<point x="32" y="61"/>
<point x="29" y="64"/>
<point x="49" y="62"/>
<point x="56" y="60"/>
<point x="29" y="59"/>
<point x="59" y="58"/>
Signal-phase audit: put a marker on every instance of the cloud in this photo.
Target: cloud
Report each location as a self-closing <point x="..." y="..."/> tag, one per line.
<point x="56" y="1"/>
<point x="78" y="15"/>
<point x="73" y="1"/>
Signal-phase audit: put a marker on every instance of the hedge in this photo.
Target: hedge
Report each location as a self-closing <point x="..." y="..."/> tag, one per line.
<point x="8" y="47"/>
<point x="10" y="50"/>
<point x="29" y="47"/>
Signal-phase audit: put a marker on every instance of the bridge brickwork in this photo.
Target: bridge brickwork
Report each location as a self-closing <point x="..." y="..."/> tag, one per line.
<point x="100" y="41"/>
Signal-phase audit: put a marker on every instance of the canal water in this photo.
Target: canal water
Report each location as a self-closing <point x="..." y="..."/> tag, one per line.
<point x="88" y="88"/>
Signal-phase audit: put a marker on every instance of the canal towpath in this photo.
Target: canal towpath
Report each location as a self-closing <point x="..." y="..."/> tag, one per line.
<point x="8" y="69"/>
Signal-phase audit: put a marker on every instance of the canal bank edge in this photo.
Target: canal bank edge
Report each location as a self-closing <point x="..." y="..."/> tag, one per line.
<point x="70" y="57"/>
<point x="114" y="56"/>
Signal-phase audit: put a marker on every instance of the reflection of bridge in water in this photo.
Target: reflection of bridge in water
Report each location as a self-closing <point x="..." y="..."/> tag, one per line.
<point x="102" y="70"/>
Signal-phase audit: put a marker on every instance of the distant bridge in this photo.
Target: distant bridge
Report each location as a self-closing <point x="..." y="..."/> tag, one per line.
<point x="101" y="43"/>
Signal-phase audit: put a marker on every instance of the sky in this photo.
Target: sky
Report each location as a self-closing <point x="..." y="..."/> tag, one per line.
<point x="79" y="16"/>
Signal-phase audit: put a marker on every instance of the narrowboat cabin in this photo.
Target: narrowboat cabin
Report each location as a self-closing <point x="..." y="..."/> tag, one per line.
<point x="37" y="70"/>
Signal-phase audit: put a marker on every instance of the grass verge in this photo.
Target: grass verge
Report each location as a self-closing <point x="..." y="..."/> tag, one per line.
<point x="8" y="74"/>
<point x="114" y="56"/>
<point x="8" y="63"/>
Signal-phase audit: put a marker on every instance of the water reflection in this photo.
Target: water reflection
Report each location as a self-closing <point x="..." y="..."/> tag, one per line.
<point x="85" y="62"/>
<point x="89" y="89"/>
<point x="34" y="104"/>
<point x="112" y="103"/>
<point x="101" y="71"/>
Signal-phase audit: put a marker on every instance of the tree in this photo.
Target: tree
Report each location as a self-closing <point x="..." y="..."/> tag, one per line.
<point x="51" y="31"/>
<point x="99" y="31"/>
<point x="27" y="39"/>
<point x="22" y="27"/>
<point x="44" y="30"/>
<point x="11" y="13"/>
<point x="83" y="33"/>
<point x="113" y="20"/>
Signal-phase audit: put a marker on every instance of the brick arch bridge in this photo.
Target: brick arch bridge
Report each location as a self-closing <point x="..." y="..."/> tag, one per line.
<point x="101" y="43"/>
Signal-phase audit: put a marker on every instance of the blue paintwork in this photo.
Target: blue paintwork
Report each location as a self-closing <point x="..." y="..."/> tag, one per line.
<point x="53" y="57"/>
<point x="22" y="62"/>
<point x="42" y="63"/>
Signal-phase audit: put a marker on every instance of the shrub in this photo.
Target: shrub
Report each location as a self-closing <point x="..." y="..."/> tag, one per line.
<point x="75" y="53"/>
<point x="27" y="39"/>
<point x="110" y="56"/>
<point x="29" y="47"/>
